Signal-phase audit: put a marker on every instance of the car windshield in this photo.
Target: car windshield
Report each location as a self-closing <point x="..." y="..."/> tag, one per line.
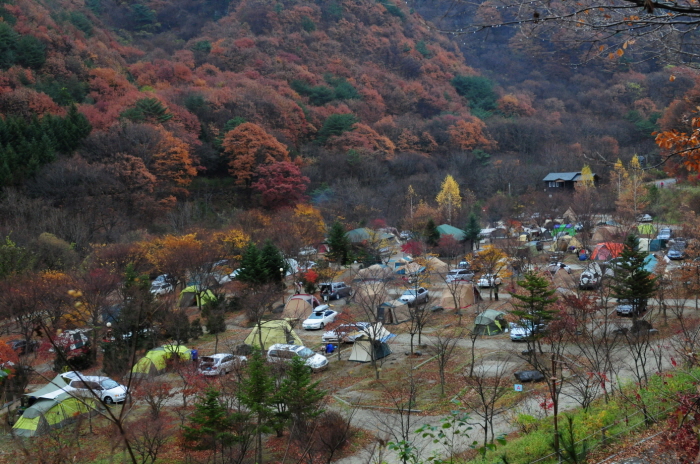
<point x="316" y="316"/>
<point x="109" y="384"/>
<point x="305" y="353"/>
<point x="208" y="360"/>
<point x="410" y="292"/>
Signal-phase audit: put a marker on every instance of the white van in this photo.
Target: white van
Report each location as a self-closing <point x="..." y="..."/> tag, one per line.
<point x="285" y="353"/>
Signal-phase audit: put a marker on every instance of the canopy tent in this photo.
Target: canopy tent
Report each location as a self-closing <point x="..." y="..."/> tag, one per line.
<point x="490" y="322"/>
<point x="437" y="265"/>
<point x="155" y="361"/>
<point x="606" y="251"/>
<point x="646" y="229"/>
<point x="300" y="306"/>
<point x="193" y="295"/>
<point x="465" y="293"/>
<point x="375" y="272"/>
<point x="393" y="312"/>
<point x="396" y="263"/>
<point x="271" y="332"/>
<point x="446" y="229"/>
<point x="373" y="339"/>
<point x="410" y="269"/>
<point x="53" y="413"/>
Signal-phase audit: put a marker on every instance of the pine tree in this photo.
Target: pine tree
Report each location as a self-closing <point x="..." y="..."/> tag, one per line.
<point x="252" y="271"/>
<point x="299" y="396"/>
<point x="256" y="394"/>
<point x="472" y="230"/>
<point x="534" y="306"/>
<point x="338" y="244"/>
<point x="272" y="261"/>
<point x="431" y="234"/>
<point x="632" y="282"/>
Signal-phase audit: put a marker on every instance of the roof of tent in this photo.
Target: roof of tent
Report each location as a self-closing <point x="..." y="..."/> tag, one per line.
<point x="364" y="234"/>
<point x="607" y="250"/>
<point x="56" y="384"/>
<point x="277" y="331"/>
<point x="488" y="316"/>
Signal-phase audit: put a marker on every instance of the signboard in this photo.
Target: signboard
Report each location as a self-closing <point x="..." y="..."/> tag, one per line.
<point x="518" y="387"/>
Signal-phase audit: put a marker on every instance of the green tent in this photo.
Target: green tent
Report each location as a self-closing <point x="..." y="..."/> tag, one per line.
<point x="490" y="322"/>
<point x="446" y="229"/>
<point x="51" y="408"/>
<point x="646" y="229"/>
<point x="278" y="331"/>
<point x="154" y="362"/>
<point x="364" y="234"/>
<point x="192" y="295"/>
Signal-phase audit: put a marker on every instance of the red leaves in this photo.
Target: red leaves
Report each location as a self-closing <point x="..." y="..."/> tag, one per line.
<point x="281" y="185"/>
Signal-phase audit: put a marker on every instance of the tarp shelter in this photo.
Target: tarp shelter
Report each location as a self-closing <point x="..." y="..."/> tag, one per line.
<point x="300" y="306"/>
<point x="373" y="340"/>
<point x="446" y="229"/>
<point x="52" y="408"/>
<point x="650" y="263"/>
<point x="277" y="331"/>
<point x="155" y="361"/>
<point x="410" y="269"/>
<point x="393" y="312"/>
<point x="191" y="296"/>
<point x="465" y="293"/>
<point x="646" y="229"/>
<point x="375" y="272"/>
<point x="490" y="322"/>
<point x="606" y="251"/>
<point x="437" y="265"/>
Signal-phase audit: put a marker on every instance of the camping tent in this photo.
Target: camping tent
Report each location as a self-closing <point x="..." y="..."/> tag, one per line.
<point x="606" y="251"/>
<point x="563" y="279"/>
<point x="374" y="272"/>
<point x="277" y="331"/>
<point x="446" y="229"/>
<point x="364" y="234"/>
<point x="465" y="293"/>
<point x="437" y="265"/>
<point x="52" y="407"/>
<point x="393" y="312"/>
<point x="192" y="294"/>
<point x="564" y="229"/>
<point x="373" y="340"/>
<point x="154" y="362"/>
<point x="300" y="306"/>
<point x="490" y="322"/>
<point x="410" y="269"/>
<point x="646" y="229"/>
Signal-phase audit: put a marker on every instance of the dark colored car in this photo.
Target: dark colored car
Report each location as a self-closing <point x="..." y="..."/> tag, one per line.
<point x="529" y="376"/>
<point x="335" y="290"/>
<point x="20" y="346"/>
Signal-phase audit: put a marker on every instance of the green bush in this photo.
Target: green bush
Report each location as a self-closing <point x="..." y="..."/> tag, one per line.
<point x="392" y="9"/>
<point x="31" y="52"/>
<point x="307" y="24"/>
<point x="81" y="21"/>
<point x="336" y="124"/>
<point x="477" y="90"/>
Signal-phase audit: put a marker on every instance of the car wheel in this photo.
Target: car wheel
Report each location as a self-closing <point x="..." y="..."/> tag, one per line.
<point x="222" y="372"/>
<point x="108" y="400"/>
<point x="322" y="325"/>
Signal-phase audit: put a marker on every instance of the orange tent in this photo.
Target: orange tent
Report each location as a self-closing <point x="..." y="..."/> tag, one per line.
<point x="607" y="250"/>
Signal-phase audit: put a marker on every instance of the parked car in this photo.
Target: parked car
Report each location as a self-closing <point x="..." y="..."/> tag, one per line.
<point x="633" y="307"/>
<point x="524" y="330"/>
<point x="318" y="319"/>
<point x="161" y="288"/>
<point x="108" y="390"/>
<point x="676" y="252"/>
<point x="307" y="251"/>
<point x="285" y="353"/>
<point x="415" y="296"/>
<point x="487" y="280"/>
<point x="21" y="347"/>
<point x="665" y="234"/>
<point x="554" y="267"/>
<point x="591" y="278"/>
<point x="644" y="218"/>
<point x="335" y="290"/>
<point x="347" y="333"/>
<point x="219" y="363"/>
<point x="464" y="275"/>
<point x="405" y="235"/>
<point x="529" y="376"/>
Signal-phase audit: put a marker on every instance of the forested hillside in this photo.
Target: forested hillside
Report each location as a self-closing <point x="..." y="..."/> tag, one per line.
<point x="158" y="115"/>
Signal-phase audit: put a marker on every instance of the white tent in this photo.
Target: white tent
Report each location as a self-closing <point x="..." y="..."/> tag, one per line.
<point x="393" y="312"/>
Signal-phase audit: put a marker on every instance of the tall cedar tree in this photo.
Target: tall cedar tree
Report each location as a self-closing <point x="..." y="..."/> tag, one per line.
<point x="472" y="230"/>
<point x="256" y="394"/>
<point x="338" y="244"/>
<point x="432" y="236"/>
<point x="272" y="261"/>
<point x="533" y="307"/>
<point x="211" y="426"/>
<point x="300" y="397"/>
<point x="632" y="282"/>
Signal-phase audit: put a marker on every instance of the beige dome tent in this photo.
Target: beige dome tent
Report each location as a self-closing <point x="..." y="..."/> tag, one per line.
<point x="465" y="293"/>
<point x="563" y="279"/>
<point x="375" y="272"/>
<point x="435" y="265"/>
<point x="300" y="306"/>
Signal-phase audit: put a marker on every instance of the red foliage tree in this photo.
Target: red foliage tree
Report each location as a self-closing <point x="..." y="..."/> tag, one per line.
<point x="248" y="146"/>
<point x="281" y="184"/>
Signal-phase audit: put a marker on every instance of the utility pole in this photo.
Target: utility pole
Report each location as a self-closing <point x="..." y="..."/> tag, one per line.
<point x="556" y="407"/>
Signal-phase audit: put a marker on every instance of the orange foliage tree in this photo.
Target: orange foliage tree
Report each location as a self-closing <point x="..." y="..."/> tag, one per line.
<point x="684" y="144"/>
<point x="468" y="135"/>
<point x="248" y="146"/>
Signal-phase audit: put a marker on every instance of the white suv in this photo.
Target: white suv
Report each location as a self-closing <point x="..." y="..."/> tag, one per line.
<point x="108" y="390"/>
<point x="464" y="275"/>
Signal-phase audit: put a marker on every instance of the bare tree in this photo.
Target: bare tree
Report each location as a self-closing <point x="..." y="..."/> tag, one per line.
<point x="443" y="343"/>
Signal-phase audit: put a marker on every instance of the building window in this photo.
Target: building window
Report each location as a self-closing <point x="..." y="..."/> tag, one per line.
<point x="552" y="184"/>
